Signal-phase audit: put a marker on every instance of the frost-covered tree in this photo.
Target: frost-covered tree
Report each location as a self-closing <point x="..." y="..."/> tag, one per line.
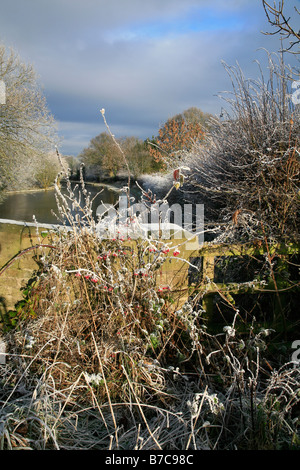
<point x="27" y="130"/>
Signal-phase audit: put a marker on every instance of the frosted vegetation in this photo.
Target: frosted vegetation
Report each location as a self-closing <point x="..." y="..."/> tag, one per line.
<point x="101" y="355"/>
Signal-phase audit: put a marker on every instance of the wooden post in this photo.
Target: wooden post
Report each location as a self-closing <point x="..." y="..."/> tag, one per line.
<point x="208" y="276"/>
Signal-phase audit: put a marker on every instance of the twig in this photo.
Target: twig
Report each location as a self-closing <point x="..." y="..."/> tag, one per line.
<point x="21" y="253"/>
<point x="102" y="111"/>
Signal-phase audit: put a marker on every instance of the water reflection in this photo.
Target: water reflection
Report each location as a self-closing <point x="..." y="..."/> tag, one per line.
<point x="22" y="206"/>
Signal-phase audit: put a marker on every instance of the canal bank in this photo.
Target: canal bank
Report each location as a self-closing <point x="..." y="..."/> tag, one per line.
<point x="22" y="207"/>
<point x="16" y="270"/>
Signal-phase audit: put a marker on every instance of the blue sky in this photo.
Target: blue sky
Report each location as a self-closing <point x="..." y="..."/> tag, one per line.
<point x="143" y="61"/>
<point x="195" y="19"/>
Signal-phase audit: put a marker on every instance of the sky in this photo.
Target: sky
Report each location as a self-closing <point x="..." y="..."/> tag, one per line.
<point x="143" y="61"/>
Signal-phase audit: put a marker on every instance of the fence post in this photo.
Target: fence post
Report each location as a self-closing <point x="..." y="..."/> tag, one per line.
<point x="208" y="276"/>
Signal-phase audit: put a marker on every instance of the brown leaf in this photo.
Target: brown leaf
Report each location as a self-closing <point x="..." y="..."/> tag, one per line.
<point x="235" y="216"/>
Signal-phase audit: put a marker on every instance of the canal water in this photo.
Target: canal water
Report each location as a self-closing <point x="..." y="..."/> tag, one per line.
<point x="22" y="206"/>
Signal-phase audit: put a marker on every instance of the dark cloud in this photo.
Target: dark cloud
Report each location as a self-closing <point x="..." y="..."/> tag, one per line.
<point x="142" y="61"/>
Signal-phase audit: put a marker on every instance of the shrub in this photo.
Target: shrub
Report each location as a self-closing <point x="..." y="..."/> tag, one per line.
<point x="248" y="170"/>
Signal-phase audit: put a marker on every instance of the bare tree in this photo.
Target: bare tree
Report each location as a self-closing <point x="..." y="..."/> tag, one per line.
<point x="27" y="130"/>
<point x="276" y="17"/>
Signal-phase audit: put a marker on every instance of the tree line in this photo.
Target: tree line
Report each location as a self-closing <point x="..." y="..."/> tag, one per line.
<point x="102" y="156"/>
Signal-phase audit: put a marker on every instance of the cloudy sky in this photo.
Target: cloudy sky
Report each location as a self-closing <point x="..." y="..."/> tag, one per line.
<point x="142" y="60"/>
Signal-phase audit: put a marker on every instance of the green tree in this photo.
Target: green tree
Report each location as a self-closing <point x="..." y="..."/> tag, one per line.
<point x="48" y="170"/>
<point x="138" y="156"/>
<point x="73" y="165"/>
<point x="102" y="156"/>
